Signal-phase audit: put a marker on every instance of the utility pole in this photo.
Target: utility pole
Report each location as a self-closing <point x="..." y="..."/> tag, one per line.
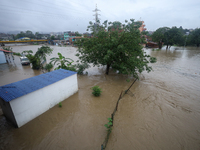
<point x="96" y="16"/>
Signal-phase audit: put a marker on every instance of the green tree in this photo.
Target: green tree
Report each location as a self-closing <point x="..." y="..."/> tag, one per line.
<point x="38" y="35"/>
<point x="42" y="52"/>
<point x="29" y="34"/>
<point x="195" y="37"/>
<point x="159" y="36"/>
<point x="77" y="34"/>
<point x="19" y="35"/>
<point x="52" y="37"/>
<point x="115" y="45"/>
<point x="62" y="62"/>
<point x="173" y="36"/>
<point x="39" y="56"/>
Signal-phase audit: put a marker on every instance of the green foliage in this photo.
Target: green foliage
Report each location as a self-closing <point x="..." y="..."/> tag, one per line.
<point x="115" y="45"/>
<point x="60" y="104"/>
<point x="52" y="37"/>
<point x="153" y="59"/>
<point x="173" y="36"/>
<point x="62" y="62"/>
<point x="128" y="80"/>
<point x="159" y="36"/>
<point x="77" y="34"/>
<point x="38" y="35"/>
<point x="34" y="61"/>
<point x="194" y="37"/>
<point x="43" y="51"/>
<point x="96" y="91"/>
<point x="7" y="48"/>
<point x="41" y="54"/>
<point x="48" y="67"/>
<point x="17" y="54"/>
<point x="25" y="34"/>
<point x="109" y="125"/>
<point x="81" y="67"/>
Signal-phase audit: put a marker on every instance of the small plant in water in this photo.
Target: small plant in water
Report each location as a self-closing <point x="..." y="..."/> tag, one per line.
<point x="60" y="104"/>
<point x="127" y="80"/>
<point x="96" y="91"/>
<point x="109" y="125"/>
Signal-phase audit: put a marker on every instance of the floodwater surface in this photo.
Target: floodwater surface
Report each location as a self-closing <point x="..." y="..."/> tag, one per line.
<point x="163" y="113"/>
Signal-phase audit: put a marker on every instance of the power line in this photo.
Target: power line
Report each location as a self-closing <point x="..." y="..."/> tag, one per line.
<point x="64" y="5"/>
<point x="31" y="10"/>
<point x="56" y="16"/>
<point x="54" y="8"/>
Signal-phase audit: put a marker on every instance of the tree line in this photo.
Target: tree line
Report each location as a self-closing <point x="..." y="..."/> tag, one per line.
<point x="176" y="36"/>
<point x="38" y="35"/>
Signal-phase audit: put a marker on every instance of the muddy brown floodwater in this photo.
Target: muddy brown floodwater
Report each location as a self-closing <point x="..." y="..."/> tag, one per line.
<point x="164" y="112"/>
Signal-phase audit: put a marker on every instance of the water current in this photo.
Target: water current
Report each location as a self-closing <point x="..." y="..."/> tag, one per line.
<point x="163" y="113"/>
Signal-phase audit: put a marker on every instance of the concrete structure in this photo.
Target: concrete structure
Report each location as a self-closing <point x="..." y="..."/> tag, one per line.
<point x="24" y="100"/>
<point x="6" y="56"/>
<point x="141" y="28"/>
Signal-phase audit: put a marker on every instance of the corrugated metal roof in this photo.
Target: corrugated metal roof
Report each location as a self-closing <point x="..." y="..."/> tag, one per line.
<point x="17" y="89"/>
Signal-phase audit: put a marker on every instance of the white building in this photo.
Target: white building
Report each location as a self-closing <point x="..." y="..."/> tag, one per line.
<point x="6" y="56"/>
<point x="24" y="100"/>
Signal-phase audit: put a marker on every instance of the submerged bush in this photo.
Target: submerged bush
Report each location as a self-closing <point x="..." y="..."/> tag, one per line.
<point x="96" y="91"/>
<point x="48" y="67"/>
<point x="60" y="104"/>
<point x="82" y="67"/>
<point x="17" y="54"/>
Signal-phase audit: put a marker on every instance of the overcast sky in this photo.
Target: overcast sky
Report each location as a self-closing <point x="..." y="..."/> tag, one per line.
<point x="74" y="15"/>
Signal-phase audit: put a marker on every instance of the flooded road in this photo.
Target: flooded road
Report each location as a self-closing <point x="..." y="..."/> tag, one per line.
<point x="164" y="112"/>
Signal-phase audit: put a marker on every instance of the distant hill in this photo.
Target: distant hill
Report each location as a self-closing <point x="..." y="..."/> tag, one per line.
<point x="12" y="32"/>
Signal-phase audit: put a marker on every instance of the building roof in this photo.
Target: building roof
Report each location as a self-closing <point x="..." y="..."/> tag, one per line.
<point x="6" y="51"/>
<point x="17" y="89"/>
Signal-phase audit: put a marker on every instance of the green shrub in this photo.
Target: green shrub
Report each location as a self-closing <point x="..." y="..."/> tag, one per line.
<point x="17" y="54"/>
<point x="96" y="91"/>
<point x="81" y="67"/>
<point x="60" y="104"/>
<point x="48" y="67"/>
<point x="109" y="125"/>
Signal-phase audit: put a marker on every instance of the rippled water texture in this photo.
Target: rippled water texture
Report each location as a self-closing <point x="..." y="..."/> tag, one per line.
<point x="164" y="112"/>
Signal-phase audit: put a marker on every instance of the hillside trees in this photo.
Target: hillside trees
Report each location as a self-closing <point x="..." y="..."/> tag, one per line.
<point x="25" y="34"/>
<point x="159" y="36"/>
<point x="173" y="36"/>
<point x="194" y="37"/>
<point x="115" y="45"/>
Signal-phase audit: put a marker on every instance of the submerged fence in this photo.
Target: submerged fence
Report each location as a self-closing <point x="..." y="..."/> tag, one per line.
<point x="103" y="146"/>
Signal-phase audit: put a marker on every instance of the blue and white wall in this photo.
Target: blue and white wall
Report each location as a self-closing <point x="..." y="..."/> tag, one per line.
<point x="2" y="58"/>
<point x="30" y="106"/>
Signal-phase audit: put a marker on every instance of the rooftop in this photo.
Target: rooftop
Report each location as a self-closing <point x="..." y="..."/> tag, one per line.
<point x="6" y="51"/>
<point x="17" y="89"/>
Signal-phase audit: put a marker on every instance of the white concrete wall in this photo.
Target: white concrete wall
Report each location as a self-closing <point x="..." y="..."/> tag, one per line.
<point x="9" y="57"/>
<point x="30" y="106"/>
<point x="2" y="58"/>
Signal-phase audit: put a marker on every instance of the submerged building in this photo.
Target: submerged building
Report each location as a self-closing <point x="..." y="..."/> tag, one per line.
<point x="6" y="56"/>
<point x="24" y="100"/>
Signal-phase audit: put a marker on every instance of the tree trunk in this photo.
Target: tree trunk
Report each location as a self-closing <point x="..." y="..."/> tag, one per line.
<point x="107" y="68"/>
<point x="160" y="45"/>
<point x="167" y="46"/>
